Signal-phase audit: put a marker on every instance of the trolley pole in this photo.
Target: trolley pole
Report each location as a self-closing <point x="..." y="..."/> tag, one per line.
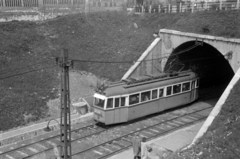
<point x="65" y="121"/>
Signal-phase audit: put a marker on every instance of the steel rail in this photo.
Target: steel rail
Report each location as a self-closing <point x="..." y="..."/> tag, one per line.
<point x="97" y="132"/>
<point x="161" y="134"/>
<point x="142" y="130"/>
<point x="49" y="149"/>
<point x="55" y="136"/>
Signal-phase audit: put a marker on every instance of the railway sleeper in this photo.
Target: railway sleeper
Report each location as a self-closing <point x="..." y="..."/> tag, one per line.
<point x="119" y="144"/>
<point x="106" y="149"/>
<point x="154" y="130"/>
<point x="148" y="132"/>
<point x="124" y="143"/>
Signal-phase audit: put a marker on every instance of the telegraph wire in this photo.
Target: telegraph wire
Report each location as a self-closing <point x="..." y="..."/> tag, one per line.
<point x="16" y="69"/>
<point x="51" y="66"/>
<point x="95" y="61"/>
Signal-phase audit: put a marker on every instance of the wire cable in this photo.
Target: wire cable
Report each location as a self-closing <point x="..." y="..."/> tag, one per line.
<point x="94" y="61"/>
<point x="16" y="69"/>
<point x="27" y="72"/>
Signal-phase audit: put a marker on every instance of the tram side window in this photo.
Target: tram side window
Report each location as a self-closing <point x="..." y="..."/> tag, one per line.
<point x="185" y="87"/>
<point x="176" y="88"/>
<point x="133" y="99"/>
<point x="99" y="102"/>
<point x="193" y="84"/>
<point x="169" y="90"/>
<point x="161" y="92"/>
<point x="197" y="83"/>
<point x="145" y="96"/>
<point x="154" y="94"/>
<point x="123" y="99"/>
<point x="110" y="103"/>
<point x="116" y="102"/>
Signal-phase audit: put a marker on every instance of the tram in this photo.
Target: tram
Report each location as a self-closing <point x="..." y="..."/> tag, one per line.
<point x="137" y="97"/>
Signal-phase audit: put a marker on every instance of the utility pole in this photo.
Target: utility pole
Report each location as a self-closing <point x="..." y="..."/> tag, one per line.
<point x="65" y="127"/>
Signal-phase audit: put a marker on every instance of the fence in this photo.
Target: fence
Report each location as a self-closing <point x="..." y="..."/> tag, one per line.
<point x="187" y="7"/>
<point x="57" y="3"/>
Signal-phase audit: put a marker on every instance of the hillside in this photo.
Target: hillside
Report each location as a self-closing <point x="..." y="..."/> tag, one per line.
<point x="106" y="36"/>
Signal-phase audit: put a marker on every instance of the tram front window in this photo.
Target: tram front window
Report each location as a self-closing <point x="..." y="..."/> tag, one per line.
<point x="99" y="102"/>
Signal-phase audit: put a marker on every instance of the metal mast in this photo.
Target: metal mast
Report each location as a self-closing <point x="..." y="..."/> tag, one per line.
<point x="65" y="126"/>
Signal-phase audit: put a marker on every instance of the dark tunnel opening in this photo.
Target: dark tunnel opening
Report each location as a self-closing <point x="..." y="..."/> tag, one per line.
<point x="211" y="66"/>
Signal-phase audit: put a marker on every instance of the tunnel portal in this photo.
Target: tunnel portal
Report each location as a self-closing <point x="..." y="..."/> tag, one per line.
<point x="204" y="59"/>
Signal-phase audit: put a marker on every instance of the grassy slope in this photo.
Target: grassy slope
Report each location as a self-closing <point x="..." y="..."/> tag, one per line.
<point x="221" y="141"/>
<point x="105" y="36"/>
<point x="23" y="97"/>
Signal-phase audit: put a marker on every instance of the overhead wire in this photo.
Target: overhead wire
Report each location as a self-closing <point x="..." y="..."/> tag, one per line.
<point x="94" y="61"/>
<point x="51" y="66"/>
<point x="175" y="54"/>
<point x="16" y="69"/>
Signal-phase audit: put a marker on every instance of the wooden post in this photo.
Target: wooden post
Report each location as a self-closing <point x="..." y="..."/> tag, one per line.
<point x="169" y="8"/>
<point x="150" y="9"/>
<point x="192" y="7"/>
<point x="206" y="5"/>
<point x="220" y="7"/>
<point x="4" y="4"/>
<point x="180" y="7"/>
<point x="238" y="4"/>
<point x="40" y="3"/>
<point x="22" y="4"/>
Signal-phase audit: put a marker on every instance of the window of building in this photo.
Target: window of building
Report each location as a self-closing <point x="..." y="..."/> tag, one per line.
<point x="169" y="90"/>
<point x="185" y="86"/>
<point x="110" y="103"/>
<point x="133" y="99"/>
<point x="123" y="99"/>
<point x="145" y="96"/>
<point x="176" y="88"/>
<point x="117" y="102"/>
<point x="154" y="94"/>
<point x="161" y="92"/>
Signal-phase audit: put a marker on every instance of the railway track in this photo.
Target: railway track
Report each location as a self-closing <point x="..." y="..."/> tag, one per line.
<point x="97" y="142"/>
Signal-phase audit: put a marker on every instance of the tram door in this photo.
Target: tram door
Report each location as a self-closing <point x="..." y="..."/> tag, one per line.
<point x="121" y="110"/>
<point x="193" y="91"/>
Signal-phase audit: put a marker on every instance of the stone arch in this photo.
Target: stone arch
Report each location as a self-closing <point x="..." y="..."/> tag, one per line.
<point x="203" y="58"/>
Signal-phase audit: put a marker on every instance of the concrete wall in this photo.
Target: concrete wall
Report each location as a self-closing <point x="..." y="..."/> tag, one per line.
<point x="226" y="46"/>
<point x="148" y="62"/>
<point x="156" y="54"/>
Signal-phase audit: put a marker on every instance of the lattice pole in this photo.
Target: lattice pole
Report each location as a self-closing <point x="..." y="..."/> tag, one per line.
<point x="65" y="150"/>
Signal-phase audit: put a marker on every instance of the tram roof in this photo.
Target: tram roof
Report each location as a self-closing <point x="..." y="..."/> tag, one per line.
<point x="147" y="82"/>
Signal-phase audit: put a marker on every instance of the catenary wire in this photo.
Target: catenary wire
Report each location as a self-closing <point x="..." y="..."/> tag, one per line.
<point x="51" y="66"/>
<point x="17" y="69"/>
<point x="92" y="61"/>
